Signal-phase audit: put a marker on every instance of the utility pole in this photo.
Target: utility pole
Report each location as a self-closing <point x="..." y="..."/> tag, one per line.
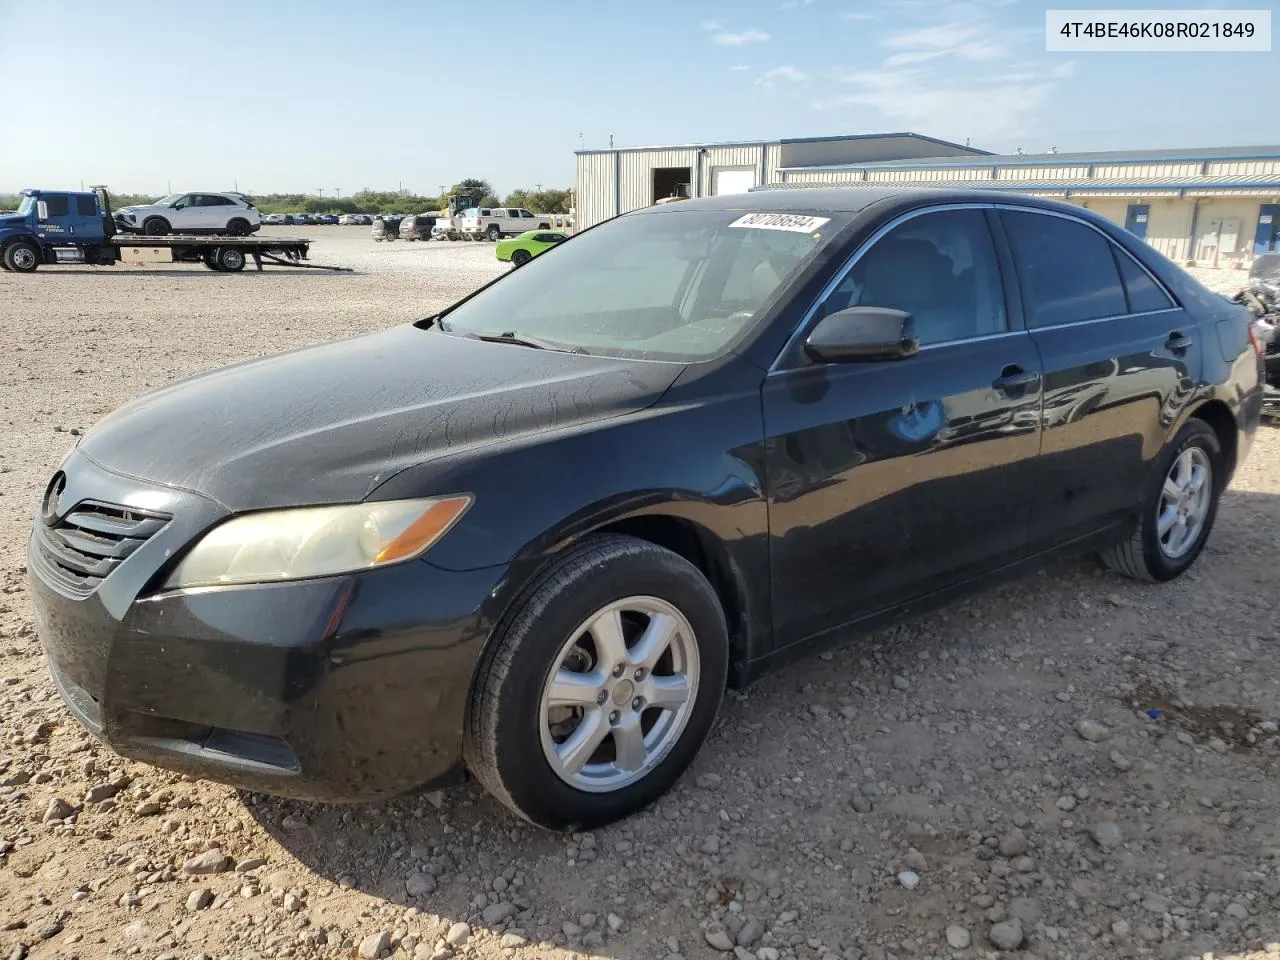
<point x="338" y="192"/>
<point x="320" y="190"/>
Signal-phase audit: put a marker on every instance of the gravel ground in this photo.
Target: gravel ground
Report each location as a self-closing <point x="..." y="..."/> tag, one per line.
<point x="981" y="781"/>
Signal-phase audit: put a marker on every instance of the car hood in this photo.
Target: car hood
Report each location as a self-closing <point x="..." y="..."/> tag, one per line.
<point x="329" y="423"/>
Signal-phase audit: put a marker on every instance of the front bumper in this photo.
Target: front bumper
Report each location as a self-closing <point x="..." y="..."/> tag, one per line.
<point x="339" y="689"/>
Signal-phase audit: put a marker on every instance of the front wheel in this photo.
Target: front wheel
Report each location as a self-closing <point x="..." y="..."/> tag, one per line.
<point x="1179" y="509"/>
<point x="21" y="257"/>
<point x="210" y="259"/>
<point x="597" y="690"/>
<point x="155" y="226"/>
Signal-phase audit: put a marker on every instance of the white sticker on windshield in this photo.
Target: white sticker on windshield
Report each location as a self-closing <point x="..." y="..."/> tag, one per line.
<point x="793" y="222"/>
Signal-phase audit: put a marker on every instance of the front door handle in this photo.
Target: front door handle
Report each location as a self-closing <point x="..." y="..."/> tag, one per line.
<point x="1178" y="342"/>
<point x="1014" y="378"/>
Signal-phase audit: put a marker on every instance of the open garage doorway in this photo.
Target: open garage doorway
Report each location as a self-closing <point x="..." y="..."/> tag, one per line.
<point x="671" y="182"/>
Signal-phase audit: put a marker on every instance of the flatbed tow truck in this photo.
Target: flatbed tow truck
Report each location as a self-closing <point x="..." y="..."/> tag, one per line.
<point x="60" y="226"/>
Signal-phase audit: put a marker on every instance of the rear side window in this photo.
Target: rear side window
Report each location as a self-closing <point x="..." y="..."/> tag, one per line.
<point x="1066" y="268"/>
<point x="86" y="206"/>
<point x="486" y="213"/>
<point x="1143" y="292"/>
<point x="56" y="204"/>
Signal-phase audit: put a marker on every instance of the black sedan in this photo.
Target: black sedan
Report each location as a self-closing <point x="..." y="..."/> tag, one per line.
<point x="535" y="536"/>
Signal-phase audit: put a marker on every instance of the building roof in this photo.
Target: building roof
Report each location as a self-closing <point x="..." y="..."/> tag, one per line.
<point x="973" y="151"/>
<point x="1194" y="154"/>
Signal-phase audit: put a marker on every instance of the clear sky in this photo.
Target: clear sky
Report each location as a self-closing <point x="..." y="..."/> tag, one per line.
<point x="283" y="95"/>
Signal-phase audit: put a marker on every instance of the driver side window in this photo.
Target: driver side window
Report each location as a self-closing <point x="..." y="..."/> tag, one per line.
<point x="939" y="267"/>
<point x="185" y="202"/>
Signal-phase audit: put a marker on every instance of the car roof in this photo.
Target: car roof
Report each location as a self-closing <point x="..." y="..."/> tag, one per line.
<point x="851" y="199"/>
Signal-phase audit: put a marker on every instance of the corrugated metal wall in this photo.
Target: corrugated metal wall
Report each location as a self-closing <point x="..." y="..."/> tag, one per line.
<point x="1244" y="168"/>
<point x="744" y="156"/>
<point x="636" y="187"/>
<point x="1145" y="171"/>
<point x="594" y="188"/>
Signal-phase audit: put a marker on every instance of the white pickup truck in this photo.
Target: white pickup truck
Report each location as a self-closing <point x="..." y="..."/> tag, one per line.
<point x="493" y="223"/>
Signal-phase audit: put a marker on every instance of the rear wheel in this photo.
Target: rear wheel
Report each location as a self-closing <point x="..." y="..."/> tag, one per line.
<point x="230" y="259"/>
<point x="599" y="687"/>
<point x="1179" y="510"/>
<point x="21" y="257"/>
<point x="494" y="233"/>
<point x="520" y="257"/>
<point x="155" y="226"/>
<point x="239" y="227"/>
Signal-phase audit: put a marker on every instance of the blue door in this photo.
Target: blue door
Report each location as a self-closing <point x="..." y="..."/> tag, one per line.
<point x="1135" y="219"/>
<point x="1267" y="239"/>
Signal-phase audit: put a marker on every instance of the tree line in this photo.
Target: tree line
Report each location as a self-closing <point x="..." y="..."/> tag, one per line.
<point x="375" y="201"/>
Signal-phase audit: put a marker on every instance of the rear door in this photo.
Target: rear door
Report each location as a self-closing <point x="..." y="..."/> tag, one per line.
<point x="890" y="480"/>
<point x="1120" y="358"/>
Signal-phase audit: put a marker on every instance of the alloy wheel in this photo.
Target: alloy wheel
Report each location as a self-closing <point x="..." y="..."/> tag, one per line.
<point x="619" y="694"/>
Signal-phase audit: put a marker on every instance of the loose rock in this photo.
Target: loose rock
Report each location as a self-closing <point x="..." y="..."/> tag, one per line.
<point x="458" y="934"/>
<point x="1092" y="731"/>
<point x="719" y="940"/>
<point x="958" y="937"/>
<point x="211" y="861"/>
<point x="1106" y="835"/>
<point x="1007" y="935"/>
<point x="371" y="947"/>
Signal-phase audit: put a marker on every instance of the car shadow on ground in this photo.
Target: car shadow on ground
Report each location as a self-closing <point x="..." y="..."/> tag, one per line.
<point x="737" y="836"/>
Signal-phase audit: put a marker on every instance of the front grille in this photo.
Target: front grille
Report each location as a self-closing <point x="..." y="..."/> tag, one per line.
<point x="83" y="547"/>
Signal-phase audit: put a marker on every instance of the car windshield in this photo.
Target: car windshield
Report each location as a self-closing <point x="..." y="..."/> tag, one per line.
<point x="661" y="286"/>
<point x="28" y="204"/>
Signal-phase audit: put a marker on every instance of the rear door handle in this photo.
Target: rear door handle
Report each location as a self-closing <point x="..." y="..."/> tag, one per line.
<point x="1013" y="377"/>
<point x="1178" y="342"/>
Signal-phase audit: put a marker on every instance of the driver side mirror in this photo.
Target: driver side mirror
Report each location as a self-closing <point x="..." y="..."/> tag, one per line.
<point x="863" y="334"/>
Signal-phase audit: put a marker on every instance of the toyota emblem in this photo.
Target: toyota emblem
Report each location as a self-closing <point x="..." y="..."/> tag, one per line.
<point x="49" y="506"/>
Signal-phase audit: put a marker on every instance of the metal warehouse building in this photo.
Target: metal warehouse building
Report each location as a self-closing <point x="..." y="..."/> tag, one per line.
<point x="614" y="181"/>
<point x="1216" y="206"/>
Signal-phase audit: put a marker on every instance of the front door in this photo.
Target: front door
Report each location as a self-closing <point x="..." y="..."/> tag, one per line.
<point x="1266" y="238"/>
<point x="888" y="480"/>
<point x="1121" y="359"/>
<point x="185" y="214"/>
<point x="56" y="218"/>
<point x="1135" y="219"/>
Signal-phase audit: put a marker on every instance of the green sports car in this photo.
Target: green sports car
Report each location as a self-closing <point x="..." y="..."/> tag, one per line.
<point x="526" y="246"/>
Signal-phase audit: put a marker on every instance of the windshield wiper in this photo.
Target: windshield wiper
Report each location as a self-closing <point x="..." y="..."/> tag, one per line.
<point x="519" y="340"/>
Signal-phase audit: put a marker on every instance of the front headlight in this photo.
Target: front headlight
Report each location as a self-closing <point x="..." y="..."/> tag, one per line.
<point x="316" y="541"/>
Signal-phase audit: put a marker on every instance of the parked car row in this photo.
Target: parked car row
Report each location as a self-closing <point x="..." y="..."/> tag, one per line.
<point x="416" y="226"/>
<point x="316" y="219"/>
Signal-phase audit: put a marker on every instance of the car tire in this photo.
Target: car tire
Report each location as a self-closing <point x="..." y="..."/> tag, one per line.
<point x="1178" y="511"/>
<point x="520" y="257"/>
<point x="155" y="227"/>
<point x="238" y="227"/>
<point x="493" y="233"/>
<point x="210" y="259"/>
<point x="511" y="728"/>
<point x="21" y="257"/>
<point x="230" y="259"/>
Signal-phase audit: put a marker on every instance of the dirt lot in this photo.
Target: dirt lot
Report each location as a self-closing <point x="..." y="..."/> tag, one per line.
<point x="930" y="791"/>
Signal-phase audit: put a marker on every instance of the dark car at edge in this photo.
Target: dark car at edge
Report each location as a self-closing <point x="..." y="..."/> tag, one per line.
<point x="536" y="535"/>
